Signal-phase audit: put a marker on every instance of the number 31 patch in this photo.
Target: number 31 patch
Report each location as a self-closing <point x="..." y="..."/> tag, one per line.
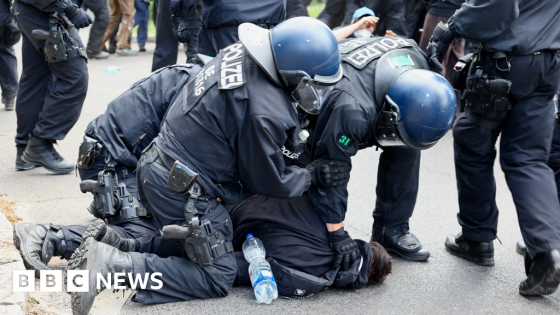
<point x="343" y="140"/>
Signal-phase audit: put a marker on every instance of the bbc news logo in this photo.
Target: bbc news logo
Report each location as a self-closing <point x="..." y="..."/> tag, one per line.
<point x="78" y="281"/>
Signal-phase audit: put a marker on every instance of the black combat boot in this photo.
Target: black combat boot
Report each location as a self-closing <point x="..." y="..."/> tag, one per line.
<point x="96" y="258"/>
<point x="42" y="152"/>
<point x="21" y="165"/>
<point x="543" y="274"/>
<point x="480" y="253"/>
<point x="54" y="244"/>
<point x="100" y="232"/>
<point x="521" y="248"/>
<point x="406" y="245"/>
<point x="29" y="239"/>
<point x="9" y="104"/>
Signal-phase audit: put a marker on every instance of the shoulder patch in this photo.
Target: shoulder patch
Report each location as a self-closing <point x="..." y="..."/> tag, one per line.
<point x="196" y="88"/>
<point x="343" y="140"/>
<point x="360" y="52"/>
<point x="231" y="67"/>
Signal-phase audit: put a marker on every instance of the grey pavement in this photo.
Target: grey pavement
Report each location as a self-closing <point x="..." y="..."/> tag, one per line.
<point x="443" y="285"/>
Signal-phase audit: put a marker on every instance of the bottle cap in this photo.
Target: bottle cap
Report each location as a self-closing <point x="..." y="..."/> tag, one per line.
<point x="249" y="235"/>
<point x="303" y="135"/>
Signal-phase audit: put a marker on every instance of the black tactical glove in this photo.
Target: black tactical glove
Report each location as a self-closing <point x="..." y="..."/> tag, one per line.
<point x="329" y="173"/>
<point x="345" y="249"/>
<point x="438" y="46"/>
<point x="181" y="30"/>
<point x="77" y="16"/>
<point x="12" y="34"/>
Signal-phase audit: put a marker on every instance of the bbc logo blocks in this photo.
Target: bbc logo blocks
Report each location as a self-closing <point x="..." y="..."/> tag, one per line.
<point x="50" y="281"/>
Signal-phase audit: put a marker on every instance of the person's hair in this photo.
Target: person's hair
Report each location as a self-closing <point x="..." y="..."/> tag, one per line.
<point x="381" y="266"/>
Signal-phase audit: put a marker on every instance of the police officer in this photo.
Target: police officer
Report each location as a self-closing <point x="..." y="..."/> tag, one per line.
<point x="512" y="80"/>
<point x="53" y="82"/>
<point x="167" y="40"/>
<point x="9" y="36"/>
<point x="100" y="9"/>
<point x="387" y="98"/>
<point x="338" y="12"/>
<point x="226" y="136"/>
<point x="220" y="20"/>
<point x="112" y="145"/>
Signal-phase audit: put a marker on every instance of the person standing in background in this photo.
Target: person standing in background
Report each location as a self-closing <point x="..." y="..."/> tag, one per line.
<point x="100" y="10"/>
<point x="124" y="8"/>
<point x="9" y="36"/>
<point x="142" y="18"/>
<point x="53" y="83"/>
<point x="166" y="52"/>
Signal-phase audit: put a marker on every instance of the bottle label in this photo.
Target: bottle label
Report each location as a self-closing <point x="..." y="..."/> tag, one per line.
<point x="261" y="276"/>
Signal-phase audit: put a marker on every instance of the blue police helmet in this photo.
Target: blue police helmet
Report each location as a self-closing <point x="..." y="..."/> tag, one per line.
<point x="426" y="104"/>
<point x="305" y="44"/>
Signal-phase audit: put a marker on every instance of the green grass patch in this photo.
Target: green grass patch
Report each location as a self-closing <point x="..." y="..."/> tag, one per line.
<point x="315" y="9"/>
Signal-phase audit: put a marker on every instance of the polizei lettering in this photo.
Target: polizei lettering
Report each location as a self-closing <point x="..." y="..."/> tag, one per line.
<point x="231" y="67"/>
<point x="289" y="154"/>
<point x="375" y="48"/>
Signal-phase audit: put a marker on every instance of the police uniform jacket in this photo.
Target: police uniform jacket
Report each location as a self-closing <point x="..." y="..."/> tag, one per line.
<point x="346" y="122"/>
<point x="518" y="26"/>
<point x="52" y="5"/>
<point x="235" y="127"/>
<point x="133" y="119"/>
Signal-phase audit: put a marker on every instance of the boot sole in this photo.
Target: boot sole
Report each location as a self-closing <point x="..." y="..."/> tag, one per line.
<point x="79" y="299"/>
<point x="30" y="264"/>
<point x="546" y="286"/>
<point x="48" y="168"/>
<point x="27" y="167"/>
<point x="479" y="260"/>
<point x="96" y="231"/>
<point x="407" y="256"/>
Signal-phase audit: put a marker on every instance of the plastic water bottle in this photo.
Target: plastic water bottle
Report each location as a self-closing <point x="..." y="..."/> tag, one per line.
<point x="261" y="275"/>
<point x="112" y="69"/>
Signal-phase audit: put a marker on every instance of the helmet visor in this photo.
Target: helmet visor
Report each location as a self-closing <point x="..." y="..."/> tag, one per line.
<point x="311" y="94"/>
<point x="389" y="130"/>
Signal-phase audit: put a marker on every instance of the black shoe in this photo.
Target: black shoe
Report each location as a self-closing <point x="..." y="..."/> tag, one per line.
<point x="543" y="277"/>
<point x="54" y="244"/>
<point x="112" y="48"/>
<point x="9" y="104"/>
<point x="21" y="165"/>
<point x="97" y="258"/>
<point x="406" y="246"/>
<point x="99" y="55"/>
<point x="42" y="152"/>
<point x="28" y="239"/>
<point x="100" y="232"/>
<point x="521" y="248"/>
<point x="480" y="253"/>
<point x="142" y="48"/>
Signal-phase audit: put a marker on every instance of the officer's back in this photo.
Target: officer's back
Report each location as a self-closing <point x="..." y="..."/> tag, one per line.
<point x="229" y="106"/>
<point x="517" y="26"/>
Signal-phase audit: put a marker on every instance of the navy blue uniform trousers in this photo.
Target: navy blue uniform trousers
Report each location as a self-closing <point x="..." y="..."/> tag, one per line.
<point x="166" y="51"/>
<point x="526" y="137"/>
<point x="397" y="189"/>
<point x="182" y="279"/>
<point x="50" y="95"/>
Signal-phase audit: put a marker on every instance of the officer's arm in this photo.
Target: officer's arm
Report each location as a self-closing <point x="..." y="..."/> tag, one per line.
<point x="261" y="162"/>
<point x="345" y="129"/>
<point x="133" y="119"/>
<point x="49" y="5"/>
<point x="481" y="20"/>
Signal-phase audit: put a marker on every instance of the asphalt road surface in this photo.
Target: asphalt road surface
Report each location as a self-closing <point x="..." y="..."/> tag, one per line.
<point x="443" y="285"/>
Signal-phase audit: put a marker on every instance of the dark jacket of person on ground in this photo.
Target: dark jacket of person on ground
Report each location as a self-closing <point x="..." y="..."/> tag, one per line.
<point x="294" y="235"/>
